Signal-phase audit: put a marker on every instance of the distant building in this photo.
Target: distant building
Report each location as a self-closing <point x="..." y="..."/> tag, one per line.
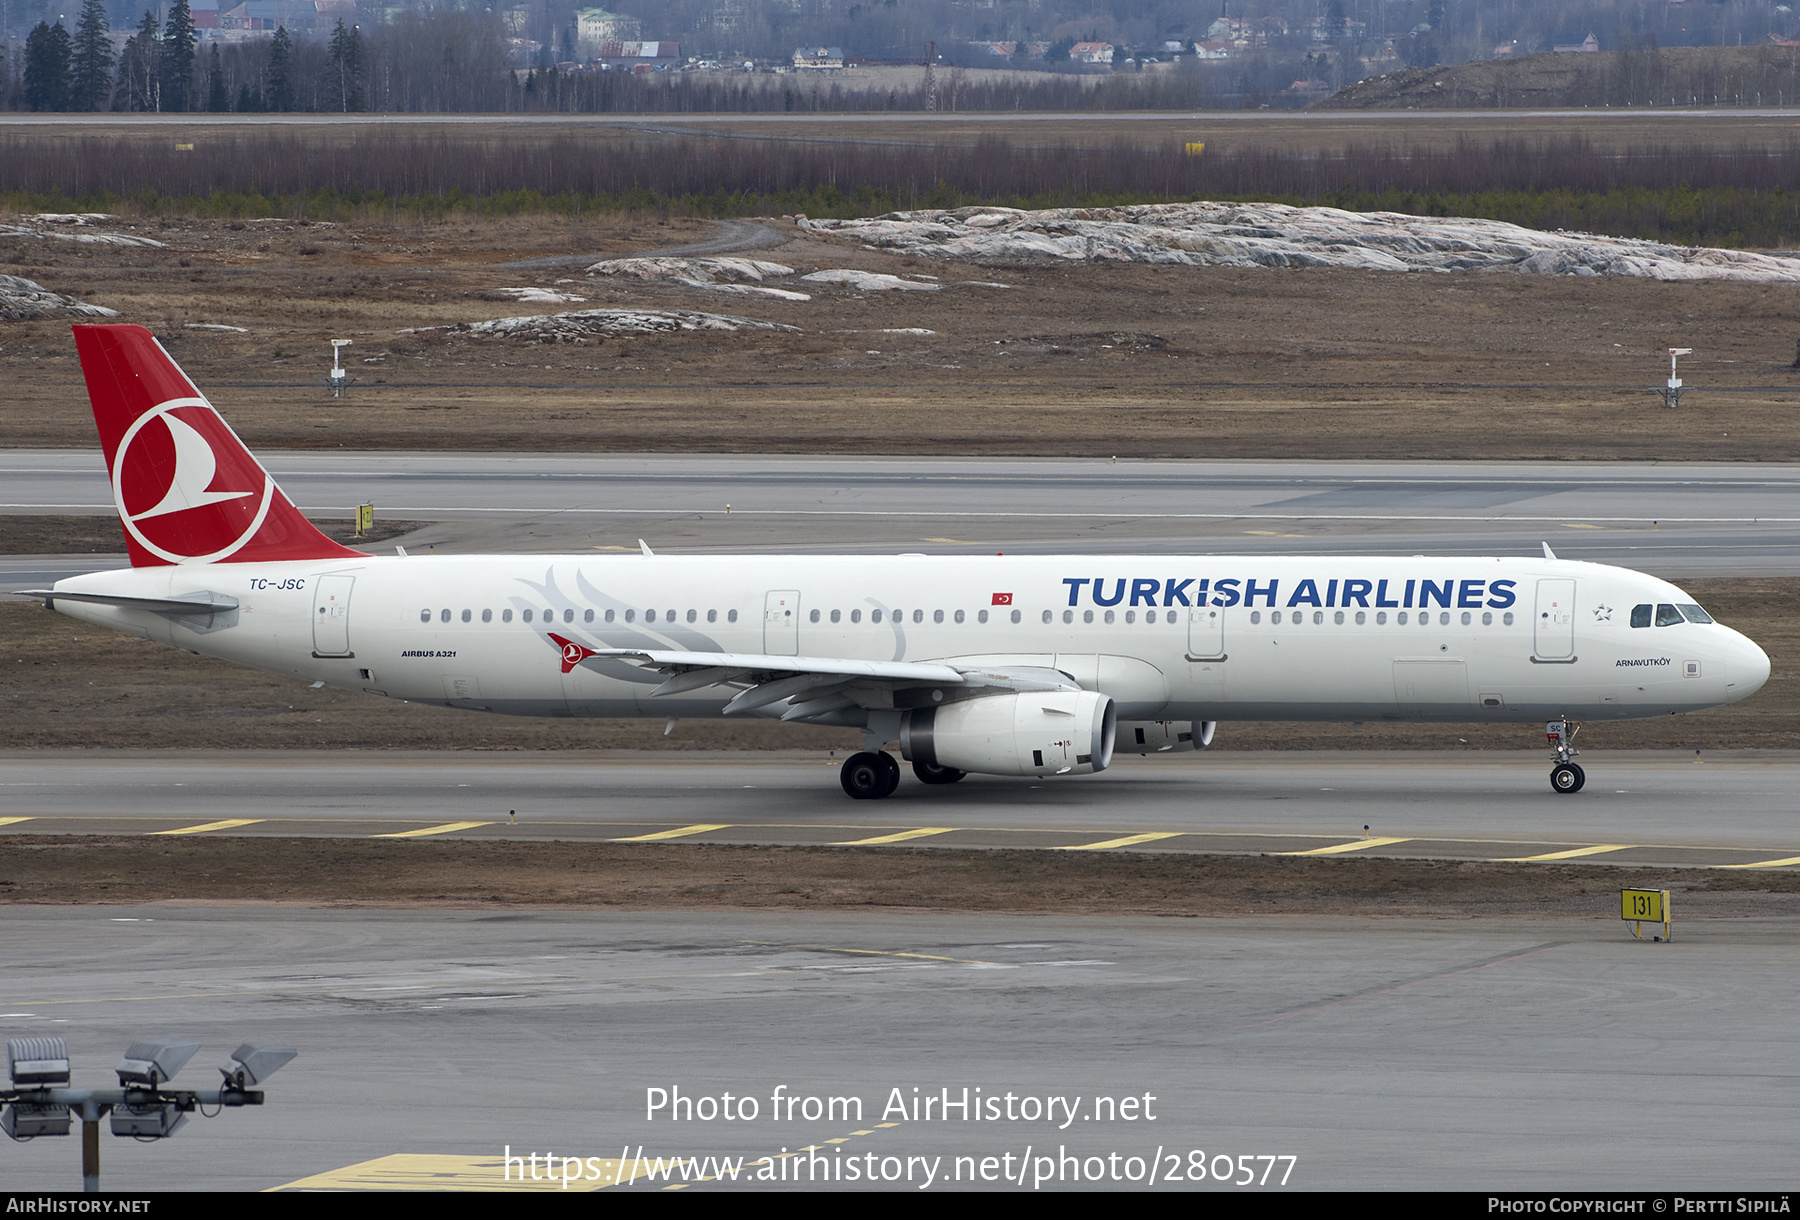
<point x="1091" y="53"/>
<point x="297" y="16"/>
<point x="595" y="27"/>
<point x="1213" y="50"/>
<point x="819" y="59"/>
<point x="1588" y="46"/>
<point x="639" y="56"/>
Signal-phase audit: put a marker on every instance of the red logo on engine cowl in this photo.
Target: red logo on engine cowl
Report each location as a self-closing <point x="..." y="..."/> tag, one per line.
<point x="186" y="489"/>
<point x="573" y="654"/>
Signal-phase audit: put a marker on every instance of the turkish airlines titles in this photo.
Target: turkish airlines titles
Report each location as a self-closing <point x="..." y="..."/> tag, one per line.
<point x="1326" y="594"/>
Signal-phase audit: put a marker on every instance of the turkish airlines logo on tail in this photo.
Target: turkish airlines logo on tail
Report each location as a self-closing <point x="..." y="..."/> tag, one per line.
<point x="573" y="654"/>
<point x="186" y="489"/>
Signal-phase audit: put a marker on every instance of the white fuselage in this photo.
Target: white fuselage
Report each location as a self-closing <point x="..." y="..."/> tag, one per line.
<point x="1214" y="638"/>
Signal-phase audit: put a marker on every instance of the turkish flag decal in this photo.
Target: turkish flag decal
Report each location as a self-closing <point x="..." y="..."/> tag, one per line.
<point x="1003" y="599"/>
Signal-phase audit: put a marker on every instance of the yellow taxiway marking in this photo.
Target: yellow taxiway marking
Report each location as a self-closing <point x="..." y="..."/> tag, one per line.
<point x="1596" y="850"/>
<point x="1578" y="525"/>
<point x="445" y="829"/>
<point x="227" y="824"/>
<point x="10" y="821"/>
<point x="903" y="836"/>
<point x="1273" y="534"/>
<point x="677" y="833"/>
<point x="1127" y="841"/>
<point x="1339" y="848"/>
<point x="1782" y="863"/>
<point x="421" y="1171"/>
<point x="952" y="541"/>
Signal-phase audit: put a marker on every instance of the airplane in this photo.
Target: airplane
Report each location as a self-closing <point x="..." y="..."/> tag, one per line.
<point x="1027" y="666"/>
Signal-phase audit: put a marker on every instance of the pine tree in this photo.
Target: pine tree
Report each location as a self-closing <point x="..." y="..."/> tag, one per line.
<point x="281" y="71"/>
<point x="176" y="71"/>
<point x="216" y="99"/>
<point x="91" y="66"/>
<point x="47" y="67"/>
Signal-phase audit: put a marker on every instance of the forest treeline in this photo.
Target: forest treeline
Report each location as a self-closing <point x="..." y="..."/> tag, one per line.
<point x="1686" y="194"/>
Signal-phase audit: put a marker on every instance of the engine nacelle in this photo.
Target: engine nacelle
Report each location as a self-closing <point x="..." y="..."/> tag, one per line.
<point x="1045" y="733"/>
<point x="1159" y="736"/>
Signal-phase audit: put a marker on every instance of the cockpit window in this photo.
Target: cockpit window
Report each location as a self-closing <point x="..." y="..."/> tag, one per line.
<point x="1640" y="615"/>
<point x="1667" y="615"/>
<point x="1694" y="614"/>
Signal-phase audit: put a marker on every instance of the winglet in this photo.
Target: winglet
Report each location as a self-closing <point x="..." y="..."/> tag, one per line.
<point x="645" y="547"/>
<point x="1548" y="553"/>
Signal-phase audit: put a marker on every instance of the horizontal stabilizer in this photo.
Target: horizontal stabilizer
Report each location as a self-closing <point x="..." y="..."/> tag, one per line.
<point x="203" y="602"/>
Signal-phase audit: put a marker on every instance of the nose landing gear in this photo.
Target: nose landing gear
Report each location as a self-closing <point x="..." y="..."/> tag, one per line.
<point x="1566" y="775"/>
<point x="870" y="775"/>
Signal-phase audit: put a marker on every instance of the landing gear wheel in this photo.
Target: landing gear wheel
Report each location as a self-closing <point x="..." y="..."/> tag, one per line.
<point x="931" y="773"/>
<point x="1567" y="777"/>
<point x="869" y="776"/>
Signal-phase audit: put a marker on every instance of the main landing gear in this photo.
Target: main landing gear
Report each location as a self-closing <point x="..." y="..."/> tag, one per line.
<point x="1566" y="775"/>
<point x="870" y="775"/>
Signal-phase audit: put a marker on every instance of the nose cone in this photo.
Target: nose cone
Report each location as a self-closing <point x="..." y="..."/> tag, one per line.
<point x="1747" y="666"/>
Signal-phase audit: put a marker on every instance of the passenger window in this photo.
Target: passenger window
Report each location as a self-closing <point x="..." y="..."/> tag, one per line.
<point x="1380" y="618"/>
<point x="1068" y="616"/>
<point x="692" y="616"/>
<point x="731" y="616"/>
<point x="1467" y="618"/>
<point x="609" y="616"/>
<point x="835" y="615"/>
<point x="874" y="616"/>
<point x="1400" y="618"/>
<point x="1361" y="617"/>
<point x="1273" y="618"/>
<point x="467" y="616"/>
<point x="1087" y="616"/>
<point x="1507" y="619"/>
<point x="424" y="616"/>
<point x="856" y="616"/>
<point x="1131" y="616"/>
<point x="487" y="616"/>
<point x="525" y="615"/>
<point x="444" y="617"/>
<point x="1694" y="614"/>
<point x="1318" y="617"/>
<point x="1016" y="616"/>
<point x="1640" y="615"/>
<point x="1048" y="615"/>
<point x="1338" y="618"/>
<point x="1444" y="619"/>
<point x="1667" y="615"/>
<point x="506" y="616"/>
<point x="587" y="616"/>
<point x="1487" y="618"/>
<point x="568" y="616"/>
<point x="649" y="616"/>
<point x="918" y="616"/>
<point x="712" y="616"/>
<point x="981" y="616"/>
<point x="1255" y="616"/>
<point x="959" y="616"/>
<point x="813" y="617"/>
<point x="937" y="616"/>
<point x="631" y="616"/>
<point x="1109" y="616"/>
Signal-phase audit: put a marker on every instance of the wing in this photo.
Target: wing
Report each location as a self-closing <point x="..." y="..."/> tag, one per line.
<point x="813" y="687"/>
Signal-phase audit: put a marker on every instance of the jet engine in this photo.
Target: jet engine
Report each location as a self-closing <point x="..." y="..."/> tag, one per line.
<point x="1060" y="732"/>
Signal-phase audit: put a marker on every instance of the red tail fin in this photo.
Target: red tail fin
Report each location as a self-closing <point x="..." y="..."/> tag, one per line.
<point x="186" y="488"/>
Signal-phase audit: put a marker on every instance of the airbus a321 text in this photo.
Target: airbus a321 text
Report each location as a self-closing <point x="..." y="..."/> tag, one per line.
<point x="1014" y="666"/>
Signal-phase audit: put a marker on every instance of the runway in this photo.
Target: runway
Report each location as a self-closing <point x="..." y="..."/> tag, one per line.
<point x="1677" y="520"/>
<point x="1655" y="810"/>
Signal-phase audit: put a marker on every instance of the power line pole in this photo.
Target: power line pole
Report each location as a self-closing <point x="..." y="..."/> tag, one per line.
<point x="931" y="77"/>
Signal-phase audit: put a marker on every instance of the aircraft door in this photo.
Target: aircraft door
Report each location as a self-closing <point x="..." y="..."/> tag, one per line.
<point x="781" y="623"/>
<point x="331" y="616"/>
<point x="1553" y="637"/>
<point x="1206" y="634"/>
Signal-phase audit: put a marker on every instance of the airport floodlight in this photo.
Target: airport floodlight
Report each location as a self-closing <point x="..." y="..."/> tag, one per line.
<point x="37" y="1062"/>
<point x="157" y="1120"/>
<point x="23" y="1120"/>
<point x="148" y="1064"/>
<point x="252" y="1064"/>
